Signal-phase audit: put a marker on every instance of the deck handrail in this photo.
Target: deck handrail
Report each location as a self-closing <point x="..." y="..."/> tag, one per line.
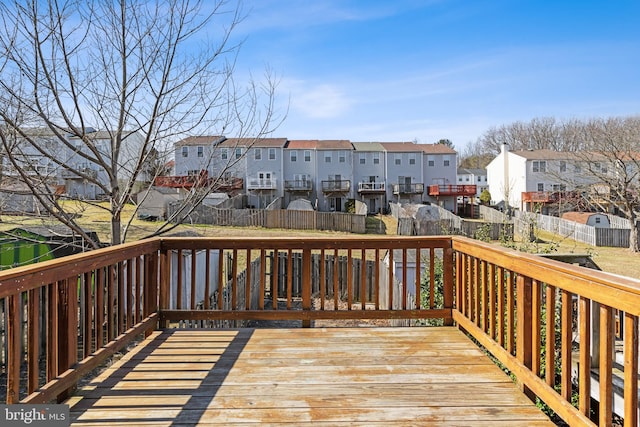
<point x="506" y="298"/>
<point x="81" y="309"/>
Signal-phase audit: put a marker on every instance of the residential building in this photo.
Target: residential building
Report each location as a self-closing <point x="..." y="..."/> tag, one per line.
<point x="404" y="172"/>
<point x="300" y="171"/>
<point x="369" y="175"/>
<point x="335" y="174"/>
<point x="327" y="173"/>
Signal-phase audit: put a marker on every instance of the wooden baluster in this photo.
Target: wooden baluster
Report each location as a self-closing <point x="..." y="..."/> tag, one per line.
<point x="510" y="313"/>
<point x="607" y="334"/>
<point x="376" y="287"/>
<point x="536" y="325"/>
<point x="306" y="284"/>
<point x="194" y="297"/>
<point x="584" y="368"/>
<point x="566" y="333"/>
<point x="524" y="302"/>
<point x="630" y="369"/>
<point x="263" y="269"/>
<point x="87" y="287"/>
<point x="33" y="340"/>
<point x="501" y="307"/>
<point x="14" y="359"/>
<point x="492" y="300"/>
<point x="363" y="279"/>
<point x="550" y="335"/>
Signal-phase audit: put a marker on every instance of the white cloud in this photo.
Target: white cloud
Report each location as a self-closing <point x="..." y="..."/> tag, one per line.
<point x="323" y="101"/>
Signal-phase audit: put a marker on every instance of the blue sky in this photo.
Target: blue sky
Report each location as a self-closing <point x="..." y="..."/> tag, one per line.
<point x="369" y="70"/>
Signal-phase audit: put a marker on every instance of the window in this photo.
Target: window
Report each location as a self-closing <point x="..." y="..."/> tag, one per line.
<point x="398" y="159"/>
<point x="342" y="157"/>
<point x="185" y="151"/>
<point x="540" y="186"/>
<point x="597" y="220"/>
<point x="272" y="153"/>
<point x="363" y="159"/>
<point x="200" y="151"/>
<point x="193" y="172"/>
<point x="446" y="162"/>
<point x="577" y="168"/>
<point x="431" y="163"/>
<point x="559" y="187"/>
<point x="460" y="179"/>
<point x="376" y="158"/>
<point x="224" y="154"/>
<point x="467" y="179"/>
<point x="563" y="166"/>
<point x="327" y="157"/>
<point x="294" y="156"/>
<point x="238" y="153"/>
<point x="539" y="166"/>
<point x="257" y="154"/>
<point x="412" y="159"/>
<point x="307" y="155"/>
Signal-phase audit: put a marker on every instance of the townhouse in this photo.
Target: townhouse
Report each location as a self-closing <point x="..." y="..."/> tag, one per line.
<point x="328" y="173"/>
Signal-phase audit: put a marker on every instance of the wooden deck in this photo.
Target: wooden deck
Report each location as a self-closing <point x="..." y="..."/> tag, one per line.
<point x="318" y="376"/>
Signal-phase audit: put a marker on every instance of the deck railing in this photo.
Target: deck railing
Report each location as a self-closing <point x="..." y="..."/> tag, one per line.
<point x="67" y="316"/>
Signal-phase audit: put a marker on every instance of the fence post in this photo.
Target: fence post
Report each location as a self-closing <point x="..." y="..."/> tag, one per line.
<point x="524" y="321"/>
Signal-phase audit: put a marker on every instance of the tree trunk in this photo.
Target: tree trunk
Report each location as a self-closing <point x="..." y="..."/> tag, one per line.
<point x="633" y="235"/>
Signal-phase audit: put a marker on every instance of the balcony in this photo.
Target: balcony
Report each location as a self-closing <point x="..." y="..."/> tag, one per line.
<point x="184" y="181"/>
<point x="302" y="185"/>
<point x="336" y="186"/>
<point x="65" y="317"/>
<point x="78" y="174"/>
<point x="229" y="184"/>
<point x="371" y="187"/>
<point x="539" y="197"/>
<point x="408" y="188"/>
<point x="255" y="183"/>
<point x="452" y="190"/>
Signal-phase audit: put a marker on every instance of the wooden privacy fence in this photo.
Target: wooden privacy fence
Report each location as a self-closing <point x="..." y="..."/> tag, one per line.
<point x="277" y="218"/>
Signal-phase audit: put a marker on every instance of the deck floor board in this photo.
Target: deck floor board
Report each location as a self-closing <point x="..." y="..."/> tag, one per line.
<point x="315" y="376"/>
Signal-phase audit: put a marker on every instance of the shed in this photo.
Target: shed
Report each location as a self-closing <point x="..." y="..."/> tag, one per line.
<point x="594" y="219"/>
<point x="153" y="203"/>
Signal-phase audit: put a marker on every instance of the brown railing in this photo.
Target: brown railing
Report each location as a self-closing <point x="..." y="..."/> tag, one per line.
<point x="452" y="190"/>
<point x="530" y="313"/>
<point x="65" y="317"/>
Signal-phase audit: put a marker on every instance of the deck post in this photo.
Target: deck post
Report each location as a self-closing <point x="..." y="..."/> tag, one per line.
<point x="448" y="266"/>
<point x="524" y="336"/>
<point x="165" y="280"/>
<point x="306" y="284"/>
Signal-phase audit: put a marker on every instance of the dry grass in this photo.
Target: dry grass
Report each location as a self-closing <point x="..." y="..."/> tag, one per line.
<point x="613" y="260"/>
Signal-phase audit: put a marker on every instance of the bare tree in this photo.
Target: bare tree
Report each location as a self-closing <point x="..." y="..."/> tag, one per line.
<point x="612" y="167"/>
<point x="144" y="74"/>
